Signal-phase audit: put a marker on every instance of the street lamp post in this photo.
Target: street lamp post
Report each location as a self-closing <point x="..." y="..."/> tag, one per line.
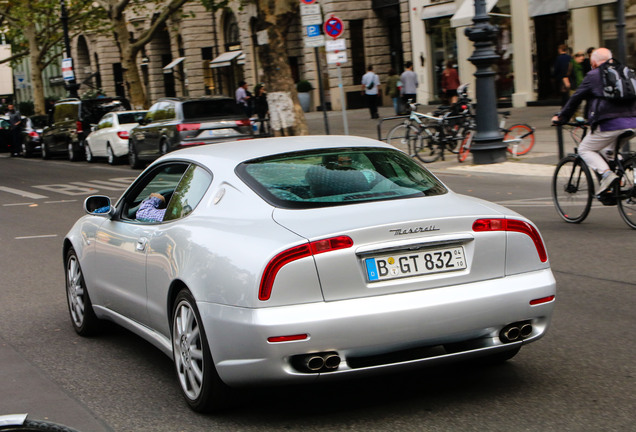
<point x="488" y="146"/>
<point x="71" y="85"/>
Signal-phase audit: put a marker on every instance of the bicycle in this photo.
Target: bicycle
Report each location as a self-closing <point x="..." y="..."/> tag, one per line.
<point x="20" y="423"/>
<point x="426" y="136"/>
<point x="573" y="187"/>
<point x="519" y="138"/>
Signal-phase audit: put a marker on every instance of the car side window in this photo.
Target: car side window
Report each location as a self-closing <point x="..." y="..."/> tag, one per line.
<point x="188" y="194"/>
<point x="151" y="114"/>
<point x="162" y="180"/>
<point x="169" y="111"/>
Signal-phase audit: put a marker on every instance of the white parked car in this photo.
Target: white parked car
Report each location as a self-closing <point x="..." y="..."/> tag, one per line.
<point x="292" y="260"/>
<point x="109" y="139"/>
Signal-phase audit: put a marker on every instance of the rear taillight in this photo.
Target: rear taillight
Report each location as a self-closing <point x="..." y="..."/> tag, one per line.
<point x="33" y="134"/>
<point x="123" y="135"/>
<point x="514" y="225"/>
<point x="78" y="127"/>
<point x="296" y="253"/>
<point x="188" y="127"/>
<point x="244" y="122"/>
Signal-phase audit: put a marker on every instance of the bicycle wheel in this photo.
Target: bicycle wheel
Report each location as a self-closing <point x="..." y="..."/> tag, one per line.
<point x="626" y="193"/>
<point x="464" y="148"/>
<point x="572" y="189"/>
<point x="428" y="150"/>
<point x="521" y="132"/>
<point x="404" y="137"/>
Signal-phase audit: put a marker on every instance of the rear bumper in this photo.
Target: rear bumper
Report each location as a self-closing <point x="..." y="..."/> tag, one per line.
<point x="376" y="326"/>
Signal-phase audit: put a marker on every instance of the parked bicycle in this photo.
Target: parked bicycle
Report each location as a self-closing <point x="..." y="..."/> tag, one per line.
<point x="573" y="185"/>
<point x="519" y="138"/>
<point x="426" y="137"/>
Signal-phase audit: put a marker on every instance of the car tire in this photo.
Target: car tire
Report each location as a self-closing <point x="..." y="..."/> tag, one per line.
<point x="164" y="148"/>
<point x="133" y="157"/>
<point x="88" y="154"/>
<point x="80" y="308"/>
<point x="110" y="155"/>
<point x="25" y="151"/>
<point x="198" y="379"/>
<point x="45" y="151"/>
<point x="499" y="358"/>
<point x="73" y="154"/>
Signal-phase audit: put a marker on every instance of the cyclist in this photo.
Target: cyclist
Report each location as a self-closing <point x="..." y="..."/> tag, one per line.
<point x="608" y="119"/>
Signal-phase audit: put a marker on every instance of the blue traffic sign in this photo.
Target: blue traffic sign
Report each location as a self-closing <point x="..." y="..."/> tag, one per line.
<point x="308" y="2"/>
<point x="334" y="27"/>
<point x="313" y="30"/>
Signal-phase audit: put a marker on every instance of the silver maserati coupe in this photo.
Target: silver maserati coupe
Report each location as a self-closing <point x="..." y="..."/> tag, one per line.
<point x="291" y="260"/>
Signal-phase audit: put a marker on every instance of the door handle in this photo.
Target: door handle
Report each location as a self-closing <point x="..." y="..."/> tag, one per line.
<point x="141" y="244"/>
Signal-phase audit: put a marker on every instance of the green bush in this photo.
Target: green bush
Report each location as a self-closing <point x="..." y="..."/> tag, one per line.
<point x="304" y="86"/>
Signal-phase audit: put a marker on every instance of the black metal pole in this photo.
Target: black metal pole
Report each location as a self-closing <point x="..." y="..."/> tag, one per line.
<point x="71" y="85"/>
<point x="322" y="91"/>
<point x="620" y="31"/>
<point x="488" y="146"/>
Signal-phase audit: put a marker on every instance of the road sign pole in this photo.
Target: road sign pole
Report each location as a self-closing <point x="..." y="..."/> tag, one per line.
<point x="322" y="91"/>
<point x="343" y="102"/>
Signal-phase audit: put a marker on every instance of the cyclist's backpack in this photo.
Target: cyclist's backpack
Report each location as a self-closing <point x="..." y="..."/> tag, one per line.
<point x="619" y="81"/>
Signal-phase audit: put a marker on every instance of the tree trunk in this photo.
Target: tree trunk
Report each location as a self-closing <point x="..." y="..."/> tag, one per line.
<point x="286" y="113"/>
<point x="134" y="88"/>
<point x="37" y="84"/>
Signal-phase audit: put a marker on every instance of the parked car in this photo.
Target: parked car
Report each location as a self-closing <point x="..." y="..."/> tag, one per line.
<point x="304" y="259"/>
<point x="71" y="121"/>
<point x="109" y="138"/>
<point x="5" y="133"/>
<point x="32" y="134"/>
<point x="174" y="123"/>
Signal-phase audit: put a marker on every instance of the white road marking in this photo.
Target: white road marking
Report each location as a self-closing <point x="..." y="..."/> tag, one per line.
<point x="36" y="237"/>
<point x="22" y="193"/>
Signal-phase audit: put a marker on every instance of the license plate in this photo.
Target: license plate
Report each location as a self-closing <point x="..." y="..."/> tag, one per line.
<point x="409" y="264"/>
<point x="219" y="132"/>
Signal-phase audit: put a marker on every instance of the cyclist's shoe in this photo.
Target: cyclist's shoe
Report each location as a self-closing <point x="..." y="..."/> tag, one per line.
<point x="606" y="182"/>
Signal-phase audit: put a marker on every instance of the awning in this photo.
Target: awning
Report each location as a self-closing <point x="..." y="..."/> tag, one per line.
<point x="465" y="13"/>
<point x="438" y="10"/>
<point x="226" y="59"/>
<point x="168" y="68"/>
<point x="546" y="7"/>
<point x="576" y="4"/>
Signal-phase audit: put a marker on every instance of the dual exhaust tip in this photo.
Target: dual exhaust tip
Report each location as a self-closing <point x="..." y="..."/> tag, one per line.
<point x="317" y="362"/>
<point x="516" y="332"/>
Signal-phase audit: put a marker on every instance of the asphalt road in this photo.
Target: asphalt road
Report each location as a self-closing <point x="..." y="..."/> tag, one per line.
<point x="580" y="377"/>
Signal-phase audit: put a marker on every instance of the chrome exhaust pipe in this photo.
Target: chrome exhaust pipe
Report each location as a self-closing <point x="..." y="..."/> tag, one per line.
<point x="525" y="330"/>
<point x="512" y="333"/>
<point x="313" y="363"/>
<point x="332" y="361"/>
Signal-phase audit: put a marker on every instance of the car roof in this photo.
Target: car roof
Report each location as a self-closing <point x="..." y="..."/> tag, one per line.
<point x="236" y="152"/>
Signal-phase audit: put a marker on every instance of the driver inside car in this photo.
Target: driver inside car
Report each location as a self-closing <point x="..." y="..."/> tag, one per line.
<point x="152" y="209"/>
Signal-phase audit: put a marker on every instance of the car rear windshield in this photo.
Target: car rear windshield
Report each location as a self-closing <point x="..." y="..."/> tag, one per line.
<point x="125" y="118"/>
<point x="39" y="121"/>
<point x="337" y="176"/>
<point x="93" y="110"/>
<point x="202" y="109"/>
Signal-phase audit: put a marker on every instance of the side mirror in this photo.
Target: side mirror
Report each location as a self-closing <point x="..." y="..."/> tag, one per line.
<point x="99" y="205"/>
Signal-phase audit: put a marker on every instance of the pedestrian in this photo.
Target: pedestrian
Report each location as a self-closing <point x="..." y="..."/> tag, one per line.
<point x="260" y="106"/>
<point x="409" y="84"/>
<point x="370" y="90"/>
<point x="608" y="119"/>
<point x="15" y="121"/>
<point x="587" y="66"/>
<point x="243" y="99"/>
<point x="576" y="70"/>
<point x="392" y="89"/>
<point x="561" y="73"/>
<point x="450" y="82"/>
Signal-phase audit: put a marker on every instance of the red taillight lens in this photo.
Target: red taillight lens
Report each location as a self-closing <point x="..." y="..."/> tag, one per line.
<point x="290" y="338"/>
<point x="123" y="134"/>
<point x="516" y="226"/>
<point x="464" y="107"/>
<point x="78" y="127"/>
<point x="542" y="300"/>
<point x="244" y="122"/>
<point x="33" y="134"/>
<point x="296" y="253"/>
<point x="188" y="127"/>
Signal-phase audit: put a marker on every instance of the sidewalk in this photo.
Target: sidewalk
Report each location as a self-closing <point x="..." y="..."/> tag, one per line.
<point x="540" y="161"/>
